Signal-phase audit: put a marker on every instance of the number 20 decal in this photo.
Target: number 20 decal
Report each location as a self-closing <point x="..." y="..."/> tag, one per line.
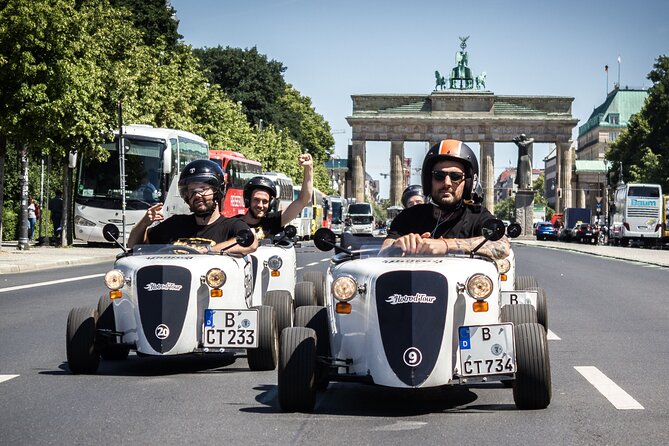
<point x="412" y="357"/>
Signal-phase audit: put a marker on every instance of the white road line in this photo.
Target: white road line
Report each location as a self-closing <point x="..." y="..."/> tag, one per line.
<point x="552" y="336"/>
<point x="311" y="264"/>
<point x="4" y="378"/>
<point x="299" y="268"/>
<point x="614" y="393"/>
<point x="53" y="282"/>
<point x="327" y="259"/>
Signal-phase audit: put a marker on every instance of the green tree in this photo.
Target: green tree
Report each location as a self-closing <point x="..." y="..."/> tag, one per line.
<point x="643" y="147"/>
<point x="156" y="19"/>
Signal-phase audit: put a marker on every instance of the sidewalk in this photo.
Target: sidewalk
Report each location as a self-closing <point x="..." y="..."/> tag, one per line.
<point x="45" y="257"/>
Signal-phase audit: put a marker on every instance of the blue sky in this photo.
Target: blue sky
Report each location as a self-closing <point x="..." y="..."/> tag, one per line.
<point x="333" y="49"/>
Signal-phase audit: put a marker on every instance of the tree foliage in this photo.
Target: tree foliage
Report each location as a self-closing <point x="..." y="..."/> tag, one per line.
<point x="643" y="148"/>
<point x="156" y="19"/>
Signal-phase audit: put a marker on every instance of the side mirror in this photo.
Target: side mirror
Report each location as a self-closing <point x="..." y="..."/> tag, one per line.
<point x="245" y="238"/>
<point x="514" y="230"/>
<point x="290" y="231"/>
<point x="325" y="239"/>
<point x="493" y="229"/>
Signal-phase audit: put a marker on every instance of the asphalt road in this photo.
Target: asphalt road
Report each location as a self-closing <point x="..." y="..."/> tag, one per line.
<point x="608" y="319"/>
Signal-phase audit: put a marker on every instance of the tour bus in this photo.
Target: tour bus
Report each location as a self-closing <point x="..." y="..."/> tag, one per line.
<point x="303" y="220"/>
<point x="238" y="170"/>
<point x="362" y="218"/>
<point x="665" y="221"/>
<point x="154" y="158"/>
<point x="284" y="190"/>
<point x="637" y="214"/>
<point x="338" y="207"/>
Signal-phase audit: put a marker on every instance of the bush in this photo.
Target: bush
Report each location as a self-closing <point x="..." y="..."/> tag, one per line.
<point x="10" y="221"/>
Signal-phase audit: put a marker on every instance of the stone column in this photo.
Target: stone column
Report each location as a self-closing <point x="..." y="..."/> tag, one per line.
<point x="396" y="172"/>
<point x="567" y="161"/>
<point x="487" y="173"/>
<point x="358" y="171"/>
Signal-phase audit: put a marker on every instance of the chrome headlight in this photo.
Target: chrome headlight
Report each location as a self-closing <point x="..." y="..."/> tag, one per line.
<point x="81" y="221"/>
<point x="215" y="278"/>
<point x="503" y="266"/>
<point x="274" y="263"/>
<point x="344" y="288"/>
<point x="479" y="286"/>
<point x="114" y="279"/>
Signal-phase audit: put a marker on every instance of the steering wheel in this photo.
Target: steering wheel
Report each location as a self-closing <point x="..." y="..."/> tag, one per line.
<point x="174" y="249"/>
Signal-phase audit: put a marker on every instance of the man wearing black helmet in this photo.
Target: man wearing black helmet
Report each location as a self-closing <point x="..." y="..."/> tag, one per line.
<point x="452" y="220"/>
<point x="412" y="196"/>
<point x="201" y="186"/>
<point x="259" y="192"/>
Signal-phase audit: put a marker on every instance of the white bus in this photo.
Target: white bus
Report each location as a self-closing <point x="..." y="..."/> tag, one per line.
<point x="303" y="220"/>
<point x="284" y="190"/>
<point x="154" y="158"/>
<point x="362" y="218"/>
<point x="637" y="214"/>
<point x="338" y="206"/>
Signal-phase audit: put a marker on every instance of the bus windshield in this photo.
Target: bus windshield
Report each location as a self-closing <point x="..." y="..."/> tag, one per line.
<point x="337" y="212"/>
<point x="98" y="183"/>
<point x="644" y="191"/>
<point x="240" y="172"/>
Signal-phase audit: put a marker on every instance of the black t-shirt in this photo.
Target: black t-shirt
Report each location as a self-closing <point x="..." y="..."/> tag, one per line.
<point x="270" y="224"/>
<point x="464" y="223"/>
<point x="184" y="226"/>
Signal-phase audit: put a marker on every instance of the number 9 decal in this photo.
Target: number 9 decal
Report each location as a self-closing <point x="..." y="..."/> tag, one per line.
<point x="412" y="357"/>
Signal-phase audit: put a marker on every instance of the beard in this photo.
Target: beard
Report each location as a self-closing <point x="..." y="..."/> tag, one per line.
<point x="255" y="215"/>
<point x="206" y="211"/>
<point x="448" y="202"/>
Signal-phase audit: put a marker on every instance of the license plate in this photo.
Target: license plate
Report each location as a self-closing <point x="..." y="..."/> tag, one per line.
<point x="519" y="297"/>
<point x="588" y="233"/>
<point x="487" y="350"/>
<point x="230" y="328"/>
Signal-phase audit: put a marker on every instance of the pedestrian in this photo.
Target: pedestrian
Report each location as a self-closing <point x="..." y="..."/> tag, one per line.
<point x="32" y="217"/>
<point x="56" y="212"/>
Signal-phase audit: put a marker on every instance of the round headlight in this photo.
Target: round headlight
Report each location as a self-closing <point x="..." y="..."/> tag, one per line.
<point x="215" y="278"/>
<point x="114" y="279"/>
<point x="479" y="286"/>
<point x="344" y="288"/>
<point x="503" y="266"/>
<point x="274" y="263"/>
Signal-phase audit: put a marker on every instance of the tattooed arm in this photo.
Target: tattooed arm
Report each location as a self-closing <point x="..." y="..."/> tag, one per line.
<point x="422" y="244"/>
<point x="493" y="250"/>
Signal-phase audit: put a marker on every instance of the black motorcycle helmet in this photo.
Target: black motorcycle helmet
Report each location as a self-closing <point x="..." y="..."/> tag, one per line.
<point x="259" y="183"/>
<point x="411" y="191"/>
<point x="452" y="149"/>
<point x="202" y="171"/>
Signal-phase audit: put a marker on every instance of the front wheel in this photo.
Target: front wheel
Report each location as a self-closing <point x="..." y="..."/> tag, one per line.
<point x="106" y="325"/>
<point x="532" y="386"/>
<point x="82" y="356"/>
<point x="282" y="302"/>
<point x="265" y="356"/>
<point x="318" y="279"/>
<point x="297" y="364"/>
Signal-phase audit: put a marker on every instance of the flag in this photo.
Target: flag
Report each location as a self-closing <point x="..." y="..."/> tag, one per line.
<point x="606" y="68"/>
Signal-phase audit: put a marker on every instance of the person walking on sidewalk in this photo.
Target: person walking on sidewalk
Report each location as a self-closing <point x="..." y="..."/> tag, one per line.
<point x="56" y="213"/>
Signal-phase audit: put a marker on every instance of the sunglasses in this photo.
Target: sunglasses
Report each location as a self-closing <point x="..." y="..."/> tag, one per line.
<point x="455" y="177"/>
<point x="199" y="191"/>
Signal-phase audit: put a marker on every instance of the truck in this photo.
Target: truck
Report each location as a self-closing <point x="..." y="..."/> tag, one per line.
<point x="572" y="216"/>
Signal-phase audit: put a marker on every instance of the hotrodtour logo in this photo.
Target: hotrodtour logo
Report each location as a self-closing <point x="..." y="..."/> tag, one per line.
<point x="418" y="298"/>
<point x="169" y="286"/>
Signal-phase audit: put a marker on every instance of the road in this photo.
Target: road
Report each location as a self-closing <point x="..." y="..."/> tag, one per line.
<point x="608" y="320"/>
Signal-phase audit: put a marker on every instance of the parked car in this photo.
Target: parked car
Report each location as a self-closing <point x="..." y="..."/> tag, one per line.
<point x="545" y="231"/>
<point x="585" y="232"/>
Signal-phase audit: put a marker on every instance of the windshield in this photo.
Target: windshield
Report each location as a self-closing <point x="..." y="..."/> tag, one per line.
<point x="362" y="219"/>
<point x="179" y="248"/>
<point x="99" y="183"/>
<point x="239" y="173"/>
<point x="644" y="191"/>
<point x="337" y="209"/>
<point x="360" y="208"/>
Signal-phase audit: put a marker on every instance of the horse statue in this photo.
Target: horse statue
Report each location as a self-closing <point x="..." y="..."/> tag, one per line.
<point x="440" y="81"/>
<point x="480" y="81"/>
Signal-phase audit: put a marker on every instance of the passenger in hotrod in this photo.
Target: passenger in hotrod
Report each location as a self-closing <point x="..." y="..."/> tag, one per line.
<point x="259" y="194"/>
<point x="412" y="196"/>
<point x="201" y="186"/>
<point x="452" y="219"/>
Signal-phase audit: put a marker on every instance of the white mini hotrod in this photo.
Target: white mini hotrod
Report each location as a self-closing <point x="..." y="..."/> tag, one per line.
<point x="413" y="322"/>
<point x="173" y="300"/>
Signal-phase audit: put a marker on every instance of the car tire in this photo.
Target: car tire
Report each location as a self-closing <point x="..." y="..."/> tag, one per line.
<point x="82" y="356"/>
<point x="265" y="356"/>
<point x="297" y="364"/>
<point x="305" y="294"/>
<point x="518" y="314"/>
<point x="532" y="386"/>
<point x="542" y="308"/>
<point x="106" y="321"/>
<point x="318" y="279"/>
<point x="525" y="282"/>
<point x="316" y="318"/>
<point x="282" y="302"/>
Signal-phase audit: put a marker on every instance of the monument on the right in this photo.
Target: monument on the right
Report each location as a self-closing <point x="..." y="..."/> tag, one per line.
<point x="524" y="204"/>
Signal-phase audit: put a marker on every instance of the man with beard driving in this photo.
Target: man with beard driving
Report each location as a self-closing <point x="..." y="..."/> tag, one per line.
<point x="201" y="185"/>
<point x="451" y="221"/>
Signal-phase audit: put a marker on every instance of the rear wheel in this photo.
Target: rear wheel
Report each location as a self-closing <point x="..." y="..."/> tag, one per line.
<point x="542" y="307"/>
<point x="525" y="282"/>
<point x="305" y="294"/>
<point x="297" y="364"/>
<point x="106" y="324"/>
<point x="518" y="314"/>
<point x="265" y="356"/>
<point x="282" y="303"/>
<point x="82" y="356"/>
<point x="318" y="279"/>
<point x="532" y="386"/>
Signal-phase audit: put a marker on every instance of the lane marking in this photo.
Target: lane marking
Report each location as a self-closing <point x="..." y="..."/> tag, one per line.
<point x="552" y="336"/>
<point x="614" y="393"/>
<point x="53" y="282"/>
<point x="325" y="259"/>
<point x="311" y="264"/>
<point x="299" y="268"/>
<point x="4" y="378"/>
